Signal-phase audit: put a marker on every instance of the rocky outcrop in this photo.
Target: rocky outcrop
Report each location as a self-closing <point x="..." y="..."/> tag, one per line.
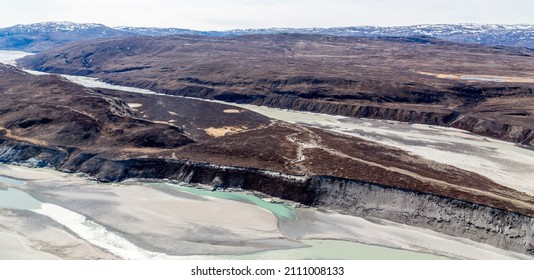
<point x="493" y="226"/>
<point x="508" y="132"/>
<point x="430" y="117"/>
<point x="294" y="188"/>
<point x="32" y="155"/>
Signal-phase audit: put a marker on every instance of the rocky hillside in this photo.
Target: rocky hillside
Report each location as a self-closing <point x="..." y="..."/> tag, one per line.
<point x="487" y="90"/>
<point x="98" y="131"/>
<point x="113" y="135"/>
<point x="49" y="111"/>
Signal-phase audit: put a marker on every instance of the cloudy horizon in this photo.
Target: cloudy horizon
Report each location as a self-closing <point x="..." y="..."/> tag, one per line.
<point x="236" y="14"/>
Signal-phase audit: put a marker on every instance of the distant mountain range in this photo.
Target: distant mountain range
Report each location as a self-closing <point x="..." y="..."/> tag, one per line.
<point x="41" y="36"/>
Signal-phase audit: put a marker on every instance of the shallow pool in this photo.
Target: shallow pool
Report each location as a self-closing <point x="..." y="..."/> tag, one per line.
<point x="278" y="209"/>
<point x="17" y="199"/>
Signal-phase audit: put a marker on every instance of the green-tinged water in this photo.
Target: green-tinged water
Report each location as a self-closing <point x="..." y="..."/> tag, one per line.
<point x="312" y="249"/>
<point x="14" y="198"/>
<point x="278" y="209"/>
<point x="315" y="249"/>
<point x="17" y="199"/>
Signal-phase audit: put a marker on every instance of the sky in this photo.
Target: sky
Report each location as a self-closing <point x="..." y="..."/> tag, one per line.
<point x="234" y="14"/>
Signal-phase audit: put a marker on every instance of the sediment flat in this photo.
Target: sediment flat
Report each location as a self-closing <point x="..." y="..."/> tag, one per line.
<point x="174" y="223"/>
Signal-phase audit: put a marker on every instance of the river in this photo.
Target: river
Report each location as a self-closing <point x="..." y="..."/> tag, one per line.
<point x="71" y="201"/>
<point x="118" y="244"/>
<point x="503" y="162"/>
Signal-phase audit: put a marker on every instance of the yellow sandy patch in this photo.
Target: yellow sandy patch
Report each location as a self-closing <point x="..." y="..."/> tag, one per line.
<point x="24" y="139"/>
<point x="477" y="77"/>
<point x="221" y="131"/>
<point x="232" y="111"/>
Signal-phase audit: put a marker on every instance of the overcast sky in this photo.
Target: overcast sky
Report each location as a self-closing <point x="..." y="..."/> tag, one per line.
<point x="230" y="14"/>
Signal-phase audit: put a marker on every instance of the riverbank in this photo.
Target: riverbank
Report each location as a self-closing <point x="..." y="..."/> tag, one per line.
<point x="171" y="222"/>
<point x="369" y="180"/>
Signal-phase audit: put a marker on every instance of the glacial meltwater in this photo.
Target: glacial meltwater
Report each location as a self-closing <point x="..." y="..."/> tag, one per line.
<point x="509" y="164"/>
<point x="278" y="209"/>
<point x="86" y="229"/>
<point x="100" y="236"/>
<point x="17" y="199"/>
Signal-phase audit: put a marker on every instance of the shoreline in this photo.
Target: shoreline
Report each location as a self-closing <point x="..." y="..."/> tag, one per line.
<point x="311" y="224"/>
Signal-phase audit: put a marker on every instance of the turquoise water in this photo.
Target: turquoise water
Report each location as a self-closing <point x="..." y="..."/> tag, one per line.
<point x="279" y="210"/>
<point x="315" y="249"/>
<point x="17" y="199"/>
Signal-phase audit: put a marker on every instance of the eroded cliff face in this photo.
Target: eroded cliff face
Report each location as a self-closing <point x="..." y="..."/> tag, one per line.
<point x="372" y="111"/>
<point x="503" y="229"/>
<point x="496" y="227"/>
<point x="32" y="155"/>
<point x="418" y="114"/>
<point x="429" y="115"/>
<point x="503" y="129"/>
<point x="508" y="132"/>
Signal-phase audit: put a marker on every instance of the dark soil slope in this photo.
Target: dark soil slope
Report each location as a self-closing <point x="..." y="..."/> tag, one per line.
<point x="48" y="110"/>
<point x="484" y="89"/>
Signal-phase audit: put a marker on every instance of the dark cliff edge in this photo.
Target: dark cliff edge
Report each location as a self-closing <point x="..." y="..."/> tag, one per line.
<point x="430" y="116"/>
<point x="500" y="228"/>
<point x="485" y="127"/>
<point x="507" y="132"/>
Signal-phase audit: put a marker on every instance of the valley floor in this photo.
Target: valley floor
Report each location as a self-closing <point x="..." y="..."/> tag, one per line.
<point x="45" y="214"/>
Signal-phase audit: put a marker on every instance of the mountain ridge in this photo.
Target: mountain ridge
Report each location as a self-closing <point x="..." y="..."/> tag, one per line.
<point x="40" y="36"/>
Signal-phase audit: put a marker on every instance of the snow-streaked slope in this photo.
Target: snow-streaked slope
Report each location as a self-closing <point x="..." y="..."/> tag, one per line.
<point x="40" y="36"/>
